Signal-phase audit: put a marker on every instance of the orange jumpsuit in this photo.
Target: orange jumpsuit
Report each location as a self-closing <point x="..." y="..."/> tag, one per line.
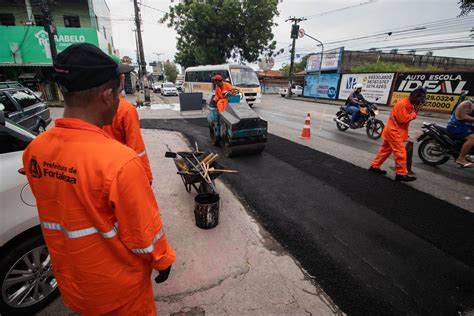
<point x="126" y="129"/>
<point x="220" y="98"/>
<point x="99" y="218"/>
<point x="394" y="134"/>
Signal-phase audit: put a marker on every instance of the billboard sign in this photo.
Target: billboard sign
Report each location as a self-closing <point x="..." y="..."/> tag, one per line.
<point x="30" y="44"/>
<point x="375" y="86"/>
<point x="444" y="89"/>
<point x="327" y="86"/>
<point x="331" y="61"/>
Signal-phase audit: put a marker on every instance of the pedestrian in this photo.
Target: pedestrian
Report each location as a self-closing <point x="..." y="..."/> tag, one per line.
<point x="98" y="213"/>
<point x="395" y="134"/>
<point x="125" y="128"/>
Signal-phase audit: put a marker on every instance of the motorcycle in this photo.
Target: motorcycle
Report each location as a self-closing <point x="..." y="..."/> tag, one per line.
<point x="367" y="114"/>
<point x="437" y="145"/>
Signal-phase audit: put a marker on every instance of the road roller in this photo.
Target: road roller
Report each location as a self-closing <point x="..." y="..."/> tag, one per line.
<point x="239" y="130"/>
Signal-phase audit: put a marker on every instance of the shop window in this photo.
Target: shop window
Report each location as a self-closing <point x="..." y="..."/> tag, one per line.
<point x="72" y="21"/>
<point x="39" y="20"/>
<point x="7" y="19"/>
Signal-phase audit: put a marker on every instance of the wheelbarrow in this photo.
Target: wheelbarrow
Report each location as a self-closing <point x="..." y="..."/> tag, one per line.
<point x="192" y="176"/>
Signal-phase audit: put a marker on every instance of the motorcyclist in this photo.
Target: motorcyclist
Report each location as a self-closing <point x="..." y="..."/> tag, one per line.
<point x="461" y="126"/>
<point x="353" y="104"/>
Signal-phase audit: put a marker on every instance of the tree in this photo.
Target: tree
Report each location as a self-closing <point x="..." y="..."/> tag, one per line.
<point x="466" y="6"/>
<point x="299" y="66"/>
<point x="212" y="31"/>
<point x="171" y="71"/>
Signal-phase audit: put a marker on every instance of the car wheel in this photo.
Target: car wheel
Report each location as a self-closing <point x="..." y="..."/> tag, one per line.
<point x="26" y="277"/>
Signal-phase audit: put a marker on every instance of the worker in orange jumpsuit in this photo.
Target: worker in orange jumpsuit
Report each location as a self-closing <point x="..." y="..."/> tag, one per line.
<point x="98" y="213"/>
<point x="126" y="129"/>
<point x="395" y="134"/>
<point x="222" y="89"/>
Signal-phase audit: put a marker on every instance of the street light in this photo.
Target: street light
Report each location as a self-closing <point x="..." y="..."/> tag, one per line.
<point x="320" y="63"/>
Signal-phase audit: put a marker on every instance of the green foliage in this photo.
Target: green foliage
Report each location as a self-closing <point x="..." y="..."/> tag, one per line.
<point x="212" y="31"/>
<point x="386" y="67"/>
<point x="466" y="6"/>
<point x="171" y="71"/>
<point x="299" y="66"/>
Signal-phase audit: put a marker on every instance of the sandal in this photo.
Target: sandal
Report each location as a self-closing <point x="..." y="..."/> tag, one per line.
<point x="465" y="165"/>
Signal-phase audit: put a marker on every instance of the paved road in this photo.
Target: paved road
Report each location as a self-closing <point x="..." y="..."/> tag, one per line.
<point x="286" y="118"/>
<point x="376" y="246"/>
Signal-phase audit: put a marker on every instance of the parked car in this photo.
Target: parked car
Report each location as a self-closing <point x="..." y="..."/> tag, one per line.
<point x="23" y="106"/>
<point x="296" y="90"/>
<point x="157" y="87"/>
<point x="26" y="276"/>
<point x="169" y="88"/>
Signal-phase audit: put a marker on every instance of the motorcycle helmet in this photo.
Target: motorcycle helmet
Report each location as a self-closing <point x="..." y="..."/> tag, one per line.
<point x="358" y="86"/>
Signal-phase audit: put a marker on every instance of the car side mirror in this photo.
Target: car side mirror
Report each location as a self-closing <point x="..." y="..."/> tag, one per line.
<point x="2" y="118"/>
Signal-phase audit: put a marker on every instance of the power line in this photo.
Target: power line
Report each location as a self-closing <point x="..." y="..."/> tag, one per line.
<point x="153" y="8"/>
<point x="341" y="9"/>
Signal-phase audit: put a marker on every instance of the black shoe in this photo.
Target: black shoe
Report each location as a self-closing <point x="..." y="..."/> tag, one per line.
<point x="377" y="170"/>
<point x="402" y="178"/>
<point x="352" y="125"/>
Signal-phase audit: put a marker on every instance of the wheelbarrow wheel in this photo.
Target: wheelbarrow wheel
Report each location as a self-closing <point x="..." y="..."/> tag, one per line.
<point x="214" y="139"/>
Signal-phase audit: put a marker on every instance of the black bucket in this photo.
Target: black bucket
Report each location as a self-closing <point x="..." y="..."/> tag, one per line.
<point x="206" y="210"/>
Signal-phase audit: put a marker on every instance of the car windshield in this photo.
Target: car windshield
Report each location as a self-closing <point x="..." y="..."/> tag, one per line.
<point x="244" y="77"/>
<point x="168" y="85"/>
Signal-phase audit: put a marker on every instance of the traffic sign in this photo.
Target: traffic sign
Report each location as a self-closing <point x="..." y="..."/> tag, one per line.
<point x="301" y="33"/>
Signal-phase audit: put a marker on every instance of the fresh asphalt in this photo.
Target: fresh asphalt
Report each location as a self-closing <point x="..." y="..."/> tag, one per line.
<point x="375" y="246"/>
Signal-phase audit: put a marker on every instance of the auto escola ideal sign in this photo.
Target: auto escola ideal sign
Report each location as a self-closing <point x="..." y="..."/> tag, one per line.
<point x="444" y="89"/>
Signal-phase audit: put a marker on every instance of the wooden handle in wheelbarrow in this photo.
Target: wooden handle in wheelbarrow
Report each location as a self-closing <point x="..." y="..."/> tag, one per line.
<point x="223" y="170"/>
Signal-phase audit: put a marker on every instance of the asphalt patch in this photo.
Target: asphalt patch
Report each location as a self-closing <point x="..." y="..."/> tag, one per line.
<point x="374" y="245"/>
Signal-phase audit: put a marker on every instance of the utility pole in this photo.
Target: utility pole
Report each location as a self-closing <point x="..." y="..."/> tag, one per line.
<point x="294" y="35"/>
<point x="140" y="49"/>
<point x="138" y="60"/>
<point x="49" y="27"/>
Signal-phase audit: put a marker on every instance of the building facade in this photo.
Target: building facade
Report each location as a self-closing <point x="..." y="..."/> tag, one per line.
<point x="25" y="53"/>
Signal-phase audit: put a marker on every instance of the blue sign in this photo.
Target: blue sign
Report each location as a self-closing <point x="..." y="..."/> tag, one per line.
<point x="327" y="86"/>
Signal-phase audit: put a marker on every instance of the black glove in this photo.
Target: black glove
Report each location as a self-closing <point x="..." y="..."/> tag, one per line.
<point x="163" y="276"/>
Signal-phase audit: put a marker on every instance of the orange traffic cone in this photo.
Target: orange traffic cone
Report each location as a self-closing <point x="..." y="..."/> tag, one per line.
<point x="306" y="132"/>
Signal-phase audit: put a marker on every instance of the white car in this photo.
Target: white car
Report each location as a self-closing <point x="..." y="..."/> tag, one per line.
<point x="296" y="90"/>
<point x="156" y="86"/>
<point x="169" y="88"/>
<point x="26" y="276"/>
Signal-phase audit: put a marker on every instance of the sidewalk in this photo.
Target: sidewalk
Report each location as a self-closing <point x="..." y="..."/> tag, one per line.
<point x="233" y="269"/>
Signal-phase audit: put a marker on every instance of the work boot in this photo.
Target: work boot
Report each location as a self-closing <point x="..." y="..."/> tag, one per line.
<point x="404" y="178"/>
<point x="377" y="170"/>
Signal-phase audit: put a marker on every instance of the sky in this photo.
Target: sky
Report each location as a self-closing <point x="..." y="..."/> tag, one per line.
<point x="419" y="23"/>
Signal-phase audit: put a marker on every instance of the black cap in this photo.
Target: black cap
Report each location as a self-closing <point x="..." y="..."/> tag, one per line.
<point x="85" y="66"/>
